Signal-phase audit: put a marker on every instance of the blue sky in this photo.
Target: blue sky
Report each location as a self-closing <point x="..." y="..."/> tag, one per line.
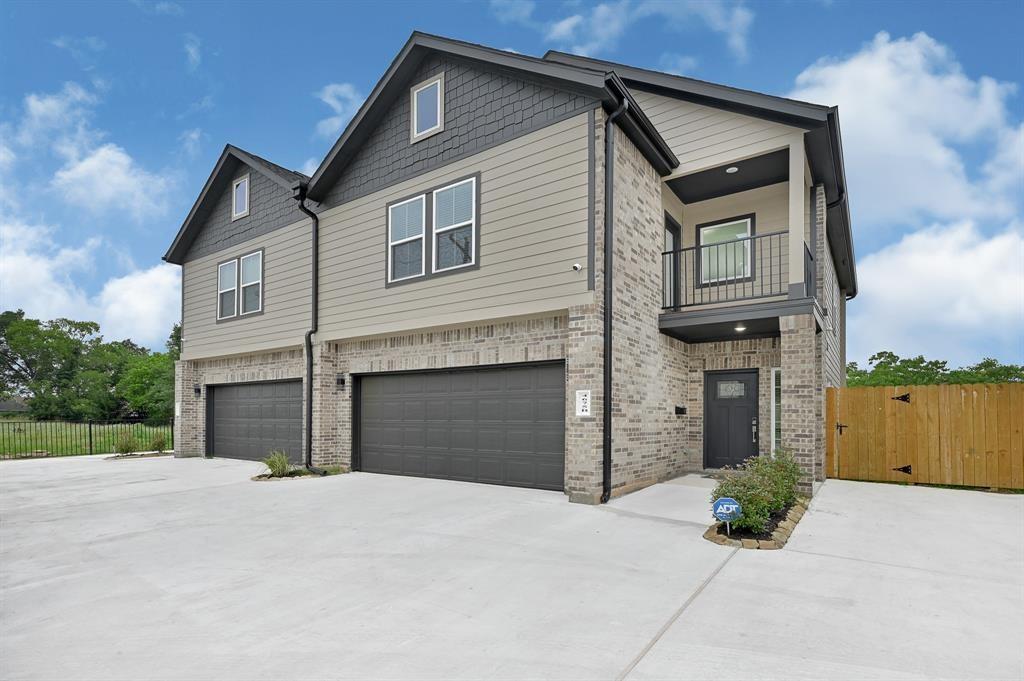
<point x="112" y="115"/>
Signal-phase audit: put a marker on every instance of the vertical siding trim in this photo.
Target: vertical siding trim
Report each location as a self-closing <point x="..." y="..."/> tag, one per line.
<point x="591" y="194"/>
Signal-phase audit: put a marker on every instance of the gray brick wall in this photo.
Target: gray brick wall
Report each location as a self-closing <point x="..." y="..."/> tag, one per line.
<point x="483" y="107"/>
<point x="270" y="207"/>
<point x="830" y="299"/>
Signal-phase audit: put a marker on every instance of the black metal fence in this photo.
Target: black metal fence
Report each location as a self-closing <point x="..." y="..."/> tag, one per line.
<point x="20" y="439"/>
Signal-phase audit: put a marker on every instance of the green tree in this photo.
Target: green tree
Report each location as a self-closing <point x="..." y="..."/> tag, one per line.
<point x="147" y="386"/>
<point x="174" y="343"/>
<point x="888" y="368"/>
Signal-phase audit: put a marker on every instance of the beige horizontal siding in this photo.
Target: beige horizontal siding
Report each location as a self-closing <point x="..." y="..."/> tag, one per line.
<point x="533" y="228"/>
<point x="285" y="318"/>
<point x="703" y="137"/>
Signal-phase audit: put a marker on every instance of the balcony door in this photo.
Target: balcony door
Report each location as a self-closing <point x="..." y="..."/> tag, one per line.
<point x="730" y="417"/>
<point x="670" y="262"/>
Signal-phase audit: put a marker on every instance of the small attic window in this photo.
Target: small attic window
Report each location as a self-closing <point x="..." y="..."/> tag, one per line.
<point x="427" y="102"/>
<point x="240" y="198"/>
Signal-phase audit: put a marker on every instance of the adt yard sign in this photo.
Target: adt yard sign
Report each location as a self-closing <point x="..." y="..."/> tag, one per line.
<point x="727" y="509"/>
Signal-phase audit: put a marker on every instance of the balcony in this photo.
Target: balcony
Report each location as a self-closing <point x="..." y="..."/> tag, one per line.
<point x="747" y="269"/>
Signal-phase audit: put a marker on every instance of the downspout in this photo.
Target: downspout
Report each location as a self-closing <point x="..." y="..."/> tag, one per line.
<point x="609" y="260"/>
<point x="300" y="196"/>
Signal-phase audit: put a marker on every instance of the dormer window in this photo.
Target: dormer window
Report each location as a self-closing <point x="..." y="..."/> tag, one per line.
<point x="427" y="102"/>
<point x="240" y="198"/>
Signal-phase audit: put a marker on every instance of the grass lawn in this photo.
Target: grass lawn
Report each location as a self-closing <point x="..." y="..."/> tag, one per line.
<point x="20" y="436"/>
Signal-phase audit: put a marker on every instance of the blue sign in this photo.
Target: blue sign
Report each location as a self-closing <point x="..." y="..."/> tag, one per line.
<point x="727" y="509"/>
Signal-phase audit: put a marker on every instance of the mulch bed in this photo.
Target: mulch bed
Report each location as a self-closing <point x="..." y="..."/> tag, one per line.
<point x="296" y="473"/>
<point x="780" y="527"/>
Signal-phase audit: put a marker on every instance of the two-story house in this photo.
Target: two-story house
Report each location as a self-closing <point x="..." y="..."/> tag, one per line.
<point x="559" y="273"/>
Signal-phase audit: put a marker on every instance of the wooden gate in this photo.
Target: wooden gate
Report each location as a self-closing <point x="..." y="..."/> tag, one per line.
<point x="971" y="435"/>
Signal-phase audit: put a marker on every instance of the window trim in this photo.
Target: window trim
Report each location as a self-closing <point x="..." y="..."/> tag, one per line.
<point x="751" y="220"/>
<point x="471" y="223"/>
<point x="241" y="286"/>
<point x="428" y="228"/>
<point x="234" y="185"/>
<point x="422" y="236"/>
<point x="234" y="289"/>
<point x="413" y="91"/>
<point x="776" y="373"/>
<point x="238" y="286"/>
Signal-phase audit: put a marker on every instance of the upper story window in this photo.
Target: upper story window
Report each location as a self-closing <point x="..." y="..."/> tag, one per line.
<point x="439" y="226"/>
<point x="455" y="225"/>
<point x="725" y="249"/>
<point x="405" y="238"/>
<point x="427" y="102"/>
<point x="240" y="198"/>
<point x="240" y="286"/>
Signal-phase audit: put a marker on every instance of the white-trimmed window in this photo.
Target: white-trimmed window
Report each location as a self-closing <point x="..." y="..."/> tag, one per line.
<point x="227" y="289"/>
<point x="776" y="409"/>
<point x="725" y="250"/>
<point x="240" y="197"/>
<point x="406" y="253"/>
<point x="427" y="103"/>
<point x="454" y="226"/>
<point x="251" y="283"/>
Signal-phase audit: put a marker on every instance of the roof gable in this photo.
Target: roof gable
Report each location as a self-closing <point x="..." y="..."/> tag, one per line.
<point x="573" y="81"/>
<point x="224" y="172"/>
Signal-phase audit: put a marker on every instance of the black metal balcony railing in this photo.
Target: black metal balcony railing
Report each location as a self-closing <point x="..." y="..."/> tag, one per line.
<point x="745" y="269"/>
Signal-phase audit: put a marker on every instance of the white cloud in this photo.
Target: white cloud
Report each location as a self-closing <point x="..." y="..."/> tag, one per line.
<point x="108" y="178"/>
<point x="61" y="118"/>
<point x="513" y="11"/>
<point x="908" y="110"/>
<point x="193" y="51"/>
<point x="205" y="103"/>
<point x="310" y="166"/>
<point x="37" y="276"/>
<point x="81" y="49"/>
<point x="190" y="141"/>
<point x="678" y="64"/>
<point x="164" y="7"/>
<point x="7" y="157"/>
<point x="344" y="100"/>
<point x="945" y="291"/>
<point x="599" y="28"/>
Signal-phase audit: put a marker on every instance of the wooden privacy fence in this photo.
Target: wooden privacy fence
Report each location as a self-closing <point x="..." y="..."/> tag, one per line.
<point x="971" y="435"/>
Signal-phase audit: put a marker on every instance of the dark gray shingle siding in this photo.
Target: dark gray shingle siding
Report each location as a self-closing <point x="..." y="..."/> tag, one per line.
<point x="270" y="207"/>
<point x="483" y="107"/>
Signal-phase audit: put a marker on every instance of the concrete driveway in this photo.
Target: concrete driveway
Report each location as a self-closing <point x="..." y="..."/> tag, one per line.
<point x="185" y="569"/>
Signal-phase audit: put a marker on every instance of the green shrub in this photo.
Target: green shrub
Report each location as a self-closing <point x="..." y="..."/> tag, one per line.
<point x="126" y="443"/>
<point x="780" y="474"/>
<point x="763" y="485"/>
<point x="159" y="443"/>
<point x="278" y="464"/>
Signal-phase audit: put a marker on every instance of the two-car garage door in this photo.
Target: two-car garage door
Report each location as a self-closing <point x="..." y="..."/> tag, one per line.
<point x="499" y="425"/>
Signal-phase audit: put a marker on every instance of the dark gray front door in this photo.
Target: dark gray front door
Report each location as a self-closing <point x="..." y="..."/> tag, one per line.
<point x="730" y="417"/>
<point x="502" y="425"/>
<point x="250" y="420"/>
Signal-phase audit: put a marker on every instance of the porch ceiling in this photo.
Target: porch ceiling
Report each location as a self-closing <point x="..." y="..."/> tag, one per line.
<point x="701" y="325"/>
<point x="752" y="173"/>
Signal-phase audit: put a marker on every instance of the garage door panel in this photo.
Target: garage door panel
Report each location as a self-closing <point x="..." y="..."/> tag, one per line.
<point x="502" y="425"/>
<point x="250" y="420"/>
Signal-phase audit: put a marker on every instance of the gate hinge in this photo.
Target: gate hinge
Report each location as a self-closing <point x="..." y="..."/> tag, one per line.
<point x="908" y="469"/>
<point x="840" y="427"/>
<point x="905" y="397"/>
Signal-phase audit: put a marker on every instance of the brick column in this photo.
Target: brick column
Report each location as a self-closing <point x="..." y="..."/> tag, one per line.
<point x="190" y="423"/>
<point x="332" y="409"/>
<point x="801" y="394"/>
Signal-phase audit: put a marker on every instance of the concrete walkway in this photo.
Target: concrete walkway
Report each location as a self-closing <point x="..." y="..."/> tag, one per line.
<point x="186" y="569"/>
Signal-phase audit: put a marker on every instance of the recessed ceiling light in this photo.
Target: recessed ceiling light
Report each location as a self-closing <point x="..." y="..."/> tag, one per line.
<point x="732" y="169"/>
<point x="740" y="328"/>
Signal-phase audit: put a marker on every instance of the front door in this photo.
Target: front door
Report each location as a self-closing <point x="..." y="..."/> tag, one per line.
<point x="730" y="417"/>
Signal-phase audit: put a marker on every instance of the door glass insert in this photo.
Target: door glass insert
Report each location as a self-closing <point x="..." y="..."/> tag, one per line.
<point x="730" y="390"/>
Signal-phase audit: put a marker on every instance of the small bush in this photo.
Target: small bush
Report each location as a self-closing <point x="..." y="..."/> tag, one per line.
<point x="763" y="485"/>
<point x="278" y="464"/>
<point x="126" y="444"/>
<point x="159" y="443"/>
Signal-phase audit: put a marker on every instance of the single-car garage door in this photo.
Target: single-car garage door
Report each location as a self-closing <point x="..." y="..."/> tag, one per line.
<point x="250" y="420"/>
<point x="500" y="425"/>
